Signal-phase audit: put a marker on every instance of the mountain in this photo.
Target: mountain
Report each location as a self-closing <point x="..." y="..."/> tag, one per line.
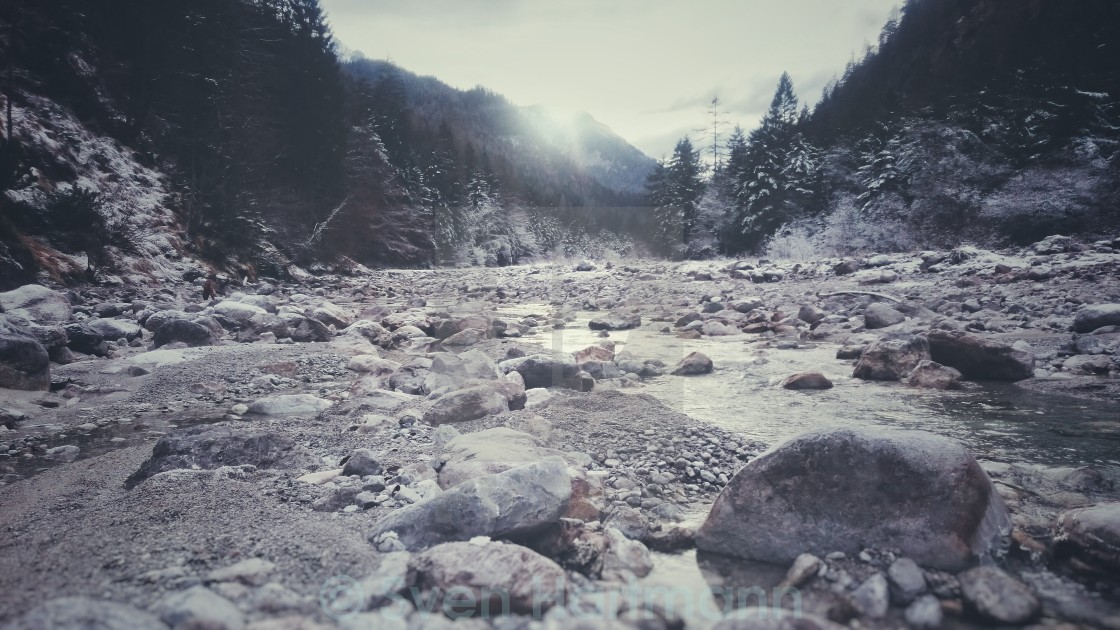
<point x="535" y="157"/>
<point x="594" y="148"/>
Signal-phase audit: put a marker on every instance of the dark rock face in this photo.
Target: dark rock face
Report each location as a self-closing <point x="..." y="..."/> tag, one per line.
<point x="24" y="363"/>
<point x="361" y="462"/>
<point x="892" y="357"/>
<point x="1094" y="316"/>
<point x="847" y="489"/>
<point x="182" y="331"/>
<point x="979" y="358"/>
<point x="213" y="447"/>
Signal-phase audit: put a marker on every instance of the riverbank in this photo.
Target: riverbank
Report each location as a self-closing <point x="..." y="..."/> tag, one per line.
<point x="291" y="424"/>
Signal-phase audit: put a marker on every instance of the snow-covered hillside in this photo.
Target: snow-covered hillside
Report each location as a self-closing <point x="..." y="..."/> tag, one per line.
<point x="134" y="201"/>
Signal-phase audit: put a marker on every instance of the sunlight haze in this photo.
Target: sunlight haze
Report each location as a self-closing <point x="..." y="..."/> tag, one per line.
<point x="646" y="68"/>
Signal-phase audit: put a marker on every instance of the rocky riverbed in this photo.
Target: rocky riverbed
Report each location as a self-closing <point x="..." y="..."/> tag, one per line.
<point x="917" y="439"/>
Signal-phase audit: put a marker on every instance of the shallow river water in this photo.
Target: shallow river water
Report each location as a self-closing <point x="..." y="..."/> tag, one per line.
<point x="998" y="422"/>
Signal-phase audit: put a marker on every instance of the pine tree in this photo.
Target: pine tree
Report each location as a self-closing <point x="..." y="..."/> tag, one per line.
<point x="776" y="182"/>
<point x="675" y="189"/>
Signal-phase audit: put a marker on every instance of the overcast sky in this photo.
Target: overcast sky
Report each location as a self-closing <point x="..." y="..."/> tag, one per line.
<point x="646" y="68"/>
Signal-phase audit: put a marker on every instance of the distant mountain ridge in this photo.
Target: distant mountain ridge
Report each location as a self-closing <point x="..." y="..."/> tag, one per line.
<point x="583" y="165"/>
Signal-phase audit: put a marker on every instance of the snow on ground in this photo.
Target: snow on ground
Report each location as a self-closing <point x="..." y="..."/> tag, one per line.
<point x="130" y="192"/>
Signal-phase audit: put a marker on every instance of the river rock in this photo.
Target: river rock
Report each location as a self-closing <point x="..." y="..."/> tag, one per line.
<point x="81" y="337"/>
<point x="238" y="312"/>
<point x="467" y="337"/>
<point x="362" y="462"/>
<point x="924" y="612"/>
<point x="288" y="404"/>
<point x="208" y="447"/>
<point x="472" y="364"/>
<point x="1093" y="533"/>
<point x="409" y="377"/>
<point x="199" y="607"/>
<point x="485" y="577"/>
<point x="36" y="303"/>
<point x="879" y="315"/>
<point x="615" y="321"/>
<point x="939" y="509"/>
<point x="630" y="521"/>
<point x="933" y="375"/>
<point x="114" y="329"/>
<point x="625" y="557"/>
<point x="517" y="501"/>
<point x="545" y="370"/>
<point x="487" y="452"/>
<point x="803" y="569"/>
<point x="694" y="364"/>
<point x="1094" y="316"/>
<point x="24" y="363"/>
<point x="371" y="364"/>
<point x="85" y="612"/>
<point x="811" y="314"/>
<point x="980" y="358"/>
<point x="906" y="579"/>
<point x="182" y="331"/>
<point x="871" y="597"/>
<point x="466" y="404"/>
<point x="310" y="330"/>
<point x="892" y="357"/>
<point x="996" y="597"/>
<point x="807" y="380"/>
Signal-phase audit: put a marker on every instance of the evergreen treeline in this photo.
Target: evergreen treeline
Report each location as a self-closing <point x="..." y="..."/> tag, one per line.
<point x="982" y="120"/>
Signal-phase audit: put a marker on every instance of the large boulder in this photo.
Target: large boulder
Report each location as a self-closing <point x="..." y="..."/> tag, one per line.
<point x="209" y="447"/>
<point x="36" y="303"/>
<point x="545" y="370"/>
<point x="1094" y="316"/>
<point x="466" y="404"/>
<point x="500" y="578"/>
<point x="879" y="315"/>
<point x="519" y="501"/>
<point x="892" y="357"/>
<point x="1093" y="533"/>
<point x="980" y="358"/>
<point x="848" y="489"/>
<point x="24" y="362"/>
